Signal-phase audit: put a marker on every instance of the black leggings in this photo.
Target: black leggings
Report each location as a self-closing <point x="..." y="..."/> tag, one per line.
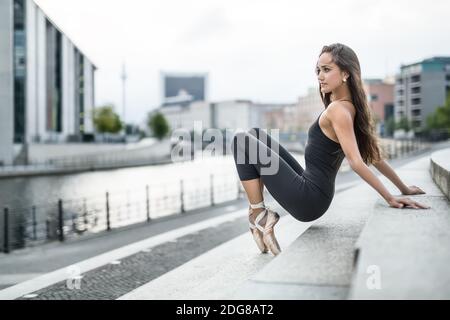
<point x="302" y="199"/>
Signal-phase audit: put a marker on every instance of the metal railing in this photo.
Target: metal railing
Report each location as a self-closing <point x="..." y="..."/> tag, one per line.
<point x="397" y="148"/>
<point x="72" y="218"/>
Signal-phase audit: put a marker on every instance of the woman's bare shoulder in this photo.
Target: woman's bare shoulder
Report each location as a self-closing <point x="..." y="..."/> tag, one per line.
<point x="341" y="108"/>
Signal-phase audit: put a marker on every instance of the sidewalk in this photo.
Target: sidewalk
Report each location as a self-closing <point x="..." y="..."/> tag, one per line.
<point x="28" y="263"/>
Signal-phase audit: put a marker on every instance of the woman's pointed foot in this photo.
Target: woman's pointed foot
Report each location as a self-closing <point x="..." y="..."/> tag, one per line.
<point x="262" y="227"/>
<point x="269" y="233"/>
<point x="256" y="229"/>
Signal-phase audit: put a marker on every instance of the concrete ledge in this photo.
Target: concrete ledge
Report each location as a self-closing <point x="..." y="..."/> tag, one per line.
<point x="319" y="263"/>
<point x="440" y="170"/>
<point x="29" y="171"/>
<point x="405" y="253"/>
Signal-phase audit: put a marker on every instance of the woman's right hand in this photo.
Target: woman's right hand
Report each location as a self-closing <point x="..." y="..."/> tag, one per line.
<point x="402" y="202"/>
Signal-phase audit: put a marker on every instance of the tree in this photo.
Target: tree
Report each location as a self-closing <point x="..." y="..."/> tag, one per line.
<point x="158" y="125"/>
<point x="106" y="120"/>
<point x="389" y="126"/>
<point x="403" y="124"/>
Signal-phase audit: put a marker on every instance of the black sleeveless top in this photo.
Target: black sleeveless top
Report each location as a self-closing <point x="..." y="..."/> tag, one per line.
<point x="323" y="158"/>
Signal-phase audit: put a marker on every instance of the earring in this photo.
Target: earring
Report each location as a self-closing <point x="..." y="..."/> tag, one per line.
<point x="345" y="80"/>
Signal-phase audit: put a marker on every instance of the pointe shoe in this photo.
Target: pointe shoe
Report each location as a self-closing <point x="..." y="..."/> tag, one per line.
<point x="256" y="229"/>
<point x="269" y="235"/>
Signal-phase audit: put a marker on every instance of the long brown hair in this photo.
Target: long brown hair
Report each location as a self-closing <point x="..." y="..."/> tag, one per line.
<point x="345" y="58"/>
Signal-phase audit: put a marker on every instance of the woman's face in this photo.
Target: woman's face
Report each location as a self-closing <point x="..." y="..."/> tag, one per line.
<point x="328" y="73"/>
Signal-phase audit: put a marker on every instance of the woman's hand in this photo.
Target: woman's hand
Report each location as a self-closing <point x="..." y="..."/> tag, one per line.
<point x="406" y="202"/>
<point x="412" y="190"/>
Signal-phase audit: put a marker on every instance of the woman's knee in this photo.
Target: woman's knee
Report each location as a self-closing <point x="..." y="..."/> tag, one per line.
<point x="307" y="217"/>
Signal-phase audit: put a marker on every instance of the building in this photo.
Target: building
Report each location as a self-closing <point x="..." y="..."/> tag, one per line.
<point x="308" y="108"/>
<point x="46" y="83"/>
<point x="297" y="117"/>
<point x="261" y="114"/>
<point x="229" y="114"/>
<point x="244" y="114"/>
<point x="420" y="88"/>
<point x="183" y="88"/>
<point x="380" y="97"/>
<point x="181" y="116"/>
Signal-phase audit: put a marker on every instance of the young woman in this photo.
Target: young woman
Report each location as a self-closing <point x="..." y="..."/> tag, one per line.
<point x="343" y="129"/>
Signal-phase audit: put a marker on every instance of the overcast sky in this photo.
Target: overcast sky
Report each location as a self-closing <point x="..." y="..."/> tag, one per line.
<point x="263" y="50"/>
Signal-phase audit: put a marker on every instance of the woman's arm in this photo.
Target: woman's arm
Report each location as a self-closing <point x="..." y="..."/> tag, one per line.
<point x="389" y="173"/>
<point x="342" y="121"/>
<point x="384" y="168"/>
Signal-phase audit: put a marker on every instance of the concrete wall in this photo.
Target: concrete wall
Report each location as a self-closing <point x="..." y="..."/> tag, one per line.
<point x="6" y="82"/>
<point x="31" y="91"/>
<point x="233" y="115"/>
<point x="440" y="170"/>
<point x="88" y="96"/>
<point x="40" y="52"/>
<point x="68" y="91"/>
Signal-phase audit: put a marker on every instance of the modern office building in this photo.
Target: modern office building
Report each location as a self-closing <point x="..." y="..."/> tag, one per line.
<point x="420" y="88"/>
<point x="46" y="82"/>
<point x="183" y="88"/>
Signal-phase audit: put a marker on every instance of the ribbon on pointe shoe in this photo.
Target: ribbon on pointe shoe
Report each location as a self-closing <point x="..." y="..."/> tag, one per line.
<point x="260" y="216"/>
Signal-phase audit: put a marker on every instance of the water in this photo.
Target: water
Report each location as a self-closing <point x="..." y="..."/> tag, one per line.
<point x="28" y="191"/>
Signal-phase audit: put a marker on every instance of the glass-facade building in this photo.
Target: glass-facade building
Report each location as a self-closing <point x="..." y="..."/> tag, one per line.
<point x="19" y="70"/>
<point x="183" y="88"/>
<point x="46" y="83"/>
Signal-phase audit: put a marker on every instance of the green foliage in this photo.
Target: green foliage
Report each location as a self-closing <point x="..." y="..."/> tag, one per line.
<point x="403" y="124"/>
<point x="440" y="119"/>
<point x="158" y="125"/>
<point x="389" y="126"/>
<point x="106" y="120"/>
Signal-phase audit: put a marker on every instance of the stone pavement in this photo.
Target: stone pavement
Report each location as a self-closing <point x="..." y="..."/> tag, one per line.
<point x="26" y="264"/>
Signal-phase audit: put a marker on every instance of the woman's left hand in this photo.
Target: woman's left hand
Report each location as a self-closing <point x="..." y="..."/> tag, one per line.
<point x="411" y="190"/>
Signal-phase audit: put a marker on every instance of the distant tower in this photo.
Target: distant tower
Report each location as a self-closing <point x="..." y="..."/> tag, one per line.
<point x="124" y="80"/>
